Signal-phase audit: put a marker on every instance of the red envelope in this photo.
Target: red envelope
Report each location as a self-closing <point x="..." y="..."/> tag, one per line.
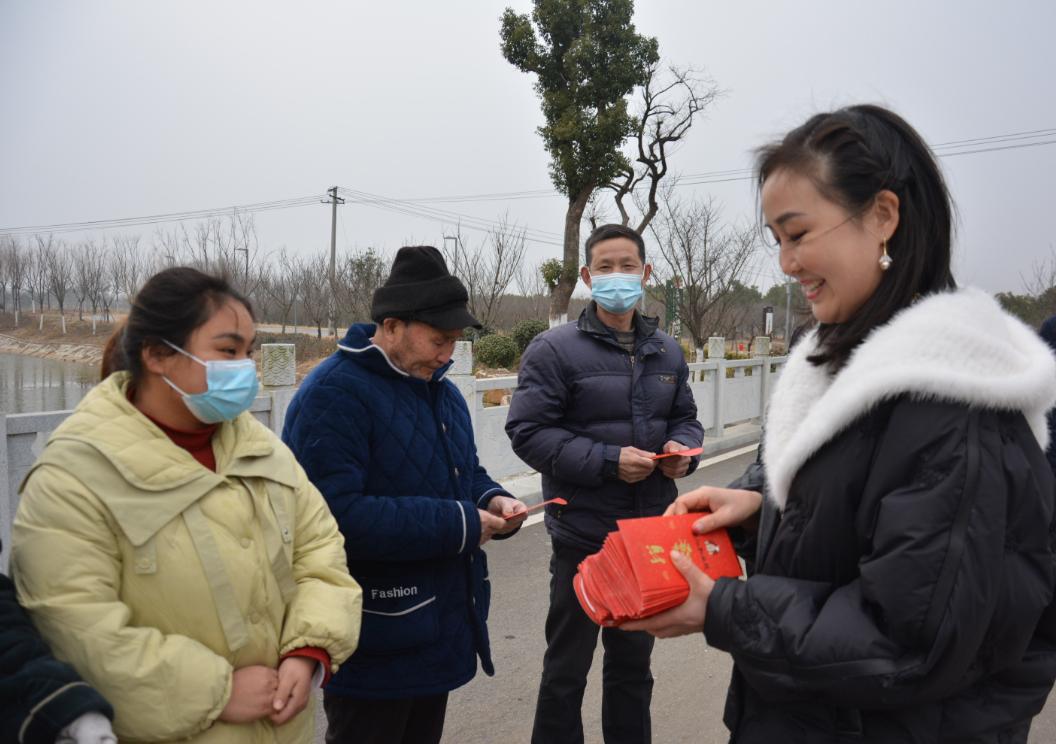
<point x="684" y="453"/>
<point x="557" y="500"/>
<point x="632" y="576"/>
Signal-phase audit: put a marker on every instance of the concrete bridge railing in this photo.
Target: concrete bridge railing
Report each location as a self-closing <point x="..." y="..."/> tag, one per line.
<point x="727" y="393"/>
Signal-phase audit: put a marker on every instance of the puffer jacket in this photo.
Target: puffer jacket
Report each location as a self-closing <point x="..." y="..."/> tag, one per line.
<point x="906" y="562"/>
<point x="156" y="578"/>
<point x="39" y="695"/>
<point x="395" y="458"/>
<point x="580" y="398"/>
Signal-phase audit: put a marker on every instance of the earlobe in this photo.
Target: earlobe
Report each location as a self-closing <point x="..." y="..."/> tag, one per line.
<point x="584" y="274"/>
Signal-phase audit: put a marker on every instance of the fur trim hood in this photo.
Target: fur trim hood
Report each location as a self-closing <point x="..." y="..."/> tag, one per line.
<point x="957" y="346"/>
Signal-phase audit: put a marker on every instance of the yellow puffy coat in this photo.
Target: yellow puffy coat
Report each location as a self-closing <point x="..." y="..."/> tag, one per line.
<point x="156" y="578"/>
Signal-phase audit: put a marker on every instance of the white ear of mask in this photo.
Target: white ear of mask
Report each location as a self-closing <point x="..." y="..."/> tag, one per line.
<point x="91" y="728"/>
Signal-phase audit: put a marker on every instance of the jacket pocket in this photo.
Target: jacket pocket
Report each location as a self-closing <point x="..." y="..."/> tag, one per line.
<point x="400" y="613"/>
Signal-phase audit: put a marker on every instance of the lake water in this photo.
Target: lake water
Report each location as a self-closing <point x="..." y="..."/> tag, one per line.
<point x="30" y="384"/>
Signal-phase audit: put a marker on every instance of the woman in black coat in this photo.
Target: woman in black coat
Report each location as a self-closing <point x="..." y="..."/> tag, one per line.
<point x="42" y="700"/>
<point x="901" y="521"/>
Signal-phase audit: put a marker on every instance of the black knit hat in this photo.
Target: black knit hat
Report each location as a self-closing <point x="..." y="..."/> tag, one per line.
<point x="421" y="288"/>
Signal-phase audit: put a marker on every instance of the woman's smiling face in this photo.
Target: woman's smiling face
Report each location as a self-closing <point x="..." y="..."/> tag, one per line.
<point x="834" y="255"/>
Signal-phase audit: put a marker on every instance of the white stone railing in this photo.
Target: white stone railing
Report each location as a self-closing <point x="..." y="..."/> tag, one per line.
<point x="727" y="393"/>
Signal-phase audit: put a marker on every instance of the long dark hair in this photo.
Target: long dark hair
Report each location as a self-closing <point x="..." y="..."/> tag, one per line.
<point x="169" y="307"/>
<point x="851" y="155"/>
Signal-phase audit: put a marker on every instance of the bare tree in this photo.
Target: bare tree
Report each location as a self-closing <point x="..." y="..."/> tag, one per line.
<point x="280" y="286"/>
<point x="16" y="274"/>
<point x="532" y="285"/>
<point x="167" y="246"/>
<point x="1042" y="276"/>
<point x="313" y="289"/>
<point x="488" y="271"/>
<point x="110" y="287"/>
<point x="81" y="282"/>
<point x="706" y="259"/>
<point x="97" y="278"/>
<point x="60" y="277"/>
<point x="38" y="274"/>
<point x="502" y="260"/>
<point x="130" y="264"/>
<point x="668" y="106"/>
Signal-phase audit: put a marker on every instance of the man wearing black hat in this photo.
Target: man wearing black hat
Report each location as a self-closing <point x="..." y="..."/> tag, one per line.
<point x="389" y="442"/>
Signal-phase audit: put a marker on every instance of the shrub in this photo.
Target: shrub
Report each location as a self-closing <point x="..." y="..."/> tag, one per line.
<point x="526" y="330"/>
<point x="495" y="350"/>
<point x="475" y="334"/>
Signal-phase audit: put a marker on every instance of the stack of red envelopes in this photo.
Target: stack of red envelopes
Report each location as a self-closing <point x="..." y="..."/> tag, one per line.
<point x="632" y="576"/>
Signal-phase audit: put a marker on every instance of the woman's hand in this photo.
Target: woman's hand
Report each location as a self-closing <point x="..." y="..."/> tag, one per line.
<point x="295" y="683"/>
<point x="689" y="616"/>
<point x="729" y="507"/>
<point x="252" y="694"/>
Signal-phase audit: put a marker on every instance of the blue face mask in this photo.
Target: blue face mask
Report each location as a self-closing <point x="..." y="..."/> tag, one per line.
<point x="616" y="293"/>
<point x="231" y="387"/>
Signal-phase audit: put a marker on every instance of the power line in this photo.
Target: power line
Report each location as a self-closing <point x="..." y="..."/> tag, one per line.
<point x="159" y="218"/>
<point x="416" y="206"/>
<point x="544" y="237"/>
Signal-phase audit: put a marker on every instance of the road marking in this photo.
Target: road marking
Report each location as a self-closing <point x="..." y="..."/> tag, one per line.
<point x="727" y="456"/>
<point x="537" y="518"/>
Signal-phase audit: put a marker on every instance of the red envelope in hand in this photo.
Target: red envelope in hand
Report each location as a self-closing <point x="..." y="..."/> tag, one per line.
<point x="632" y="576"/>
<point x="684" y="453"/>
<point x="558" y="500"/>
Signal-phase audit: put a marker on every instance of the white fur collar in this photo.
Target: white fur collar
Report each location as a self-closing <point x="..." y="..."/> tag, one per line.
<point x="958" y="346"/>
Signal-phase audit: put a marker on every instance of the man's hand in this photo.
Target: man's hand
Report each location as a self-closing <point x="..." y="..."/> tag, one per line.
<point x="295" y="682"/>
<point x="252" y="694"/>
<point x="512" y="512"/>
<point x="729" y="507"/>
<point x="490" y="525"/>
<point x="675" y="467"/>
<point x="689" y="616"/>
<point x="635" y="464"/>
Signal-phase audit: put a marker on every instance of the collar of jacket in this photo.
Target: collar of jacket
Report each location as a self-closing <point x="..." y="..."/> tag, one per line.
<point x="955" y="346"/>
<point x="358" y="346"/>
<point x="644" y="326"/>
<point x="144" y="478"/>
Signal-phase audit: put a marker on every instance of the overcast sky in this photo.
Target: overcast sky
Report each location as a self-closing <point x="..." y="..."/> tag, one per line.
<point x="126" y="109"/>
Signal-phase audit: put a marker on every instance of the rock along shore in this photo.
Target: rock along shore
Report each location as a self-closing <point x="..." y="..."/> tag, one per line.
<point x="59" y="351"/>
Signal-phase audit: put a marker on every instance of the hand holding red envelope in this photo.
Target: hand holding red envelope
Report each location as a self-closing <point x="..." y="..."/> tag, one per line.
<point x="684" y="453"/>
<point x="632" y="576"/>
<point x="558" y="500"/>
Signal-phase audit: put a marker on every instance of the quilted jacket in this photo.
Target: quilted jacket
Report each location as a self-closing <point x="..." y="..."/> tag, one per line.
<point x="580" y="398"/>
<point x="395" y="459"/>
<point x="156" y="578"/>
<point x="904" y="577"/>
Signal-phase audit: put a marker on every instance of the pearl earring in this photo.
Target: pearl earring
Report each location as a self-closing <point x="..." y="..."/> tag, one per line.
<point x="885" y="260"/>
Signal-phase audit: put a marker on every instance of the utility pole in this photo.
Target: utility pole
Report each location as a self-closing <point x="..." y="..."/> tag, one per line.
<point x="334" y="201"/>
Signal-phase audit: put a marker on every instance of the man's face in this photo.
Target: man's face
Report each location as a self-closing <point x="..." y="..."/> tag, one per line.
<point x="417" y="348"/>
<point x="615" y="256"/>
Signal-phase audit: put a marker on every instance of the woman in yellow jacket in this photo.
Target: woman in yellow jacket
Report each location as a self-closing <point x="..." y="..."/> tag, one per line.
<point x="169" y="546"/>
